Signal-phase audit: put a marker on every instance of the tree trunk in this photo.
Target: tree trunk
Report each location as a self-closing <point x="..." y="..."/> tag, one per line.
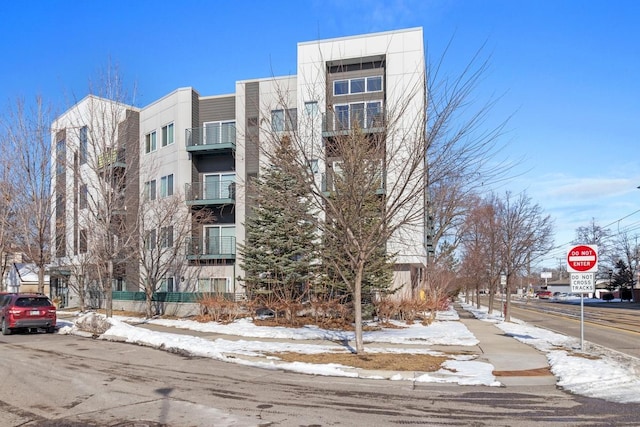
<point x="41" y="281"/>
<point x="108" y="305"/>
<point x="148" y="291"/>
<point x="357" y="303"/>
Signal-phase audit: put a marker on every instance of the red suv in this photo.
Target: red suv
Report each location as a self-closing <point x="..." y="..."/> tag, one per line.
<point x="26" y="311"/>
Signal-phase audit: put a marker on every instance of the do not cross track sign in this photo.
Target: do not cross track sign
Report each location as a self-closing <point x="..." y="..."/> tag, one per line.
<point x="582" y="259"/>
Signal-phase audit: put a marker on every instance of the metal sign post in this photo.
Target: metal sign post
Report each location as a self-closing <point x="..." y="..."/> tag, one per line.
<point x="582" y="283"/>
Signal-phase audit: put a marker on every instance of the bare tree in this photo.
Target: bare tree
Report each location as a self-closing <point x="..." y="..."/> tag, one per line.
<point x="98" y="226"/>
<point x="627" y="250"/>
<point x="164" y="226"/>
<point x="481" y="249"/>
<point x="8" y="216"/>
<point x="526" y="235"/>
<point x="461" y="146"/>
<point x="26" y="135"/>
<point x="594" y="234"/>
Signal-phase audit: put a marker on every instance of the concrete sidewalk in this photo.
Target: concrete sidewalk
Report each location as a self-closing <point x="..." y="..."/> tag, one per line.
<point x="515" y="363"/>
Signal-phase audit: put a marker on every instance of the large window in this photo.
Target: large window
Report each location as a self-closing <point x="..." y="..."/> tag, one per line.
<point x="166" y="186"/>
<point x="150" y="143"/>
<point x="357" y="85"/>
<point x="213" y="284"/>
<point x="284" y="120"/>
<point x="220" y="240"/>
<point x="167" y="135"/>
<point x="223" y="132"/>
<point x="220" y="186"/>
<point x="150" y="240"/>
<point x="362" y="114"/>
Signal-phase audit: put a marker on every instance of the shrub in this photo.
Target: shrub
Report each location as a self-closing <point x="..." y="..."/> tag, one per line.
<point x="607" y="297"/>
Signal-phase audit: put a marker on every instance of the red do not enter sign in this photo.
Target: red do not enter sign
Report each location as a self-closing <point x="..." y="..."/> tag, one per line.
<point x="582" y="259"/>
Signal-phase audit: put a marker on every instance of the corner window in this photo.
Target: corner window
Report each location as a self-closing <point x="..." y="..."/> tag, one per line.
<point x="150" y="143"/>
<point x="374" y="84"/>
<point x="341" y="87"/>
<point x="167" y="135"/>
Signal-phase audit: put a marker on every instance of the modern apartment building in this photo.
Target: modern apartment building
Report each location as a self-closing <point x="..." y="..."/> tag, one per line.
<point x="204" y="149"/>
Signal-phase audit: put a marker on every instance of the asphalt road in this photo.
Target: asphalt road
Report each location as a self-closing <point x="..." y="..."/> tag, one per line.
<point x="59" y="380"/>
<point x="612" y="325"/>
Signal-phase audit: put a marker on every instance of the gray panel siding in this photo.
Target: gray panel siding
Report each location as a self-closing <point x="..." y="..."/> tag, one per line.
<point x="216" y="109"/>
<point x="252" y="115"/>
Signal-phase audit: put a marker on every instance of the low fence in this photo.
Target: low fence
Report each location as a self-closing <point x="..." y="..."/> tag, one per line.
<point x="180" y="304"/>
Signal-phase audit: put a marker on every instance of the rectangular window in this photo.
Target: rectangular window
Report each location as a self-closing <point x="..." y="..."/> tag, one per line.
<point x="83" y="241"/>
<point x="61" y="157"/>
<point x="291" y="119"/>
<point x="83" y="197"/>
<point x="374" y="114"/>
<point x="311" y="108"/>
<point x="150" y="240"/>
<point x="166" y="186"/>
<point x="167" y="135"/>
<point x="220" y="285"/>
<point x="341" y="87"/>
<point x="313" y="165"/>
<point x="204" y="285"/>
<point x="277" y="120"/>
<point x="374" y="84"/>
<point x="356" y="117"/>
<point x="342" y="116"/>
<point x="220" y="240"/>
<point x="219" y="132"/>
<point x="150" y="142"/>
<point x="166" y="237"/>
<point x="357" y="85"/>
<point x="219" y="186"/>
<point x="167" y="284"/>
<point x="84" y="144"/>
<point x="150" y="190"/>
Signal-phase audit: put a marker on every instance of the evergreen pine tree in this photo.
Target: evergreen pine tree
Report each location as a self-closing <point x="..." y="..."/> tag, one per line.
<point x="279" y="254"/>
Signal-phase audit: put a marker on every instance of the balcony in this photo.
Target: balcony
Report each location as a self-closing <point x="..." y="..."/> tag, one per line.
<point x="342" y="123"/>
<point x="113" y="158"/>
<point x="211" y="248"/>
<point x="208" y="140"/>
<point x="211" y="192"/>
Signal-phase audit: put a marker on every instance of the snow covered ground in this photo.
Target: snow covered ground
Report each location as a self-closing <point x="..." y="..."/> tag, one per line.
<point x="609" y="375"/>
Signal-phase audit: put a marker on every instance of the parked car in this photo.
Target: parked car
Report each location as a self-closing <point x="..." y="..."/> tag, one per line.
<point x="544" y="294"/>
<point x="26" y="311"/>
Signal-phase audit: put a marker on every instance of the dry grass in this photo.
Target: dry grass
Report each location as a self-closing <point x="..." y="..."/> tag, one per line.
<point x="373" y="361"/>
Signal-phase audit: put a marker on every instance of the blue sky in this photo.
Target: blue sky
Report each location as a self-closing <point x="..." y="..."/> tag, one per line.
<point x="567" y="71"/>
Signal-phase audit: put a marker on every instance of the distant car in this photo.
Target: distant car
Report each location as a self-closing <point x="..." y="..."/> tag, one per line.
<point x="544" y="294"/>
<point x="26" y="311"/>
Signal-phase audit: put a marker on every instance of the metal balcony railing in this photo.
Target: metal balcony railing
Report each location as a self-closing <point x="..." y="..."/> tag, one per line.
<point x="211" y="193"/>
<point x="112" y="157"/>
<point x="211" y="139"/>
<point x="211" y="248"/>
<point x="341" y="123"/>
